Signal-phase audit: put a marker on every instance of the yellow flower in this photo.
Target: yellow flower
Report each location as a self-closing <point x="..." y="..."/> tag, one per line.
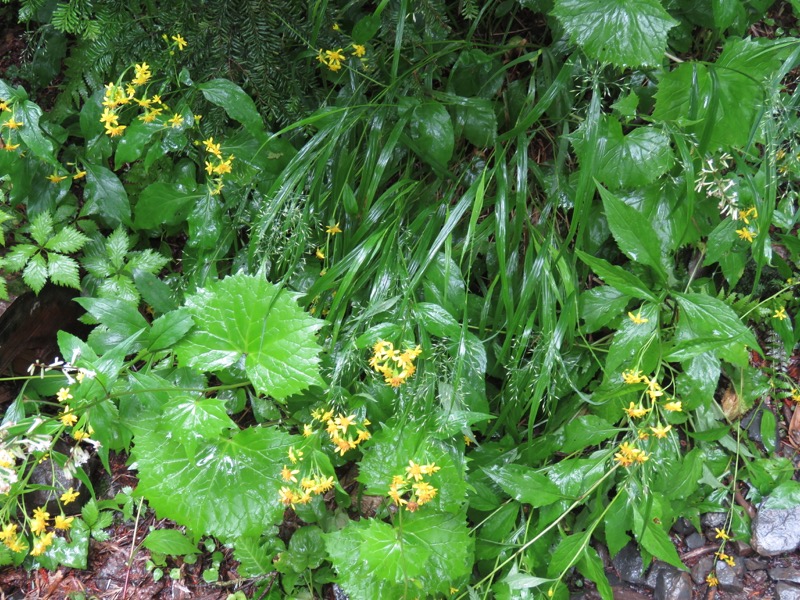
<point x="395" y="496"/>
<point x="673" y="406"/>
<point x="796" y="395"/>
<point x="334" y="59"/>
<point x="56" y="178"/>
<point x="321" y="57"/>
<point x="176" y="120"/>
<point x="295" y="455"/>
<point x="179" y="41"/>
<point x="69" y="496"/>
<point x="308" y="431"/>
<point x="746" y="214"/>
<point x="9" y="147"/>
<point x="319" y="254"/>
<point x="12" y="124"/>
<point x="333" y="229"/>
<point x="780" y="314"/>
<point x="287" y="496"/>
<point x="653" y="388"/>
<point x="8" y="532"/>
<point x="79" y="175"/>
<point x="661" y="431"/>
<point x="39" y="521"/>
<point x="631" y="376"/>
<point x="115" y="131"/>
<point x="343" y="422"/>
<point x="63" y="395"/>
<point x="68" y="418"/>
<point x="414" y="470"/>
<point x="637" y="318"/>
<point x="109" y="117"/>
<point x="289" y="474"/>
<point x="336" y="27"/>
<point x="711" y="580"/>
<point x="80" y="435"/>
<point x="41" y="545"/>
<point x="63" y="523"/>
<point x="359" y="50"/>
<point x="15" y="545"/>
<point x="721" y="534"/>
<point x="636" y="412"/>
<point x="212" y="147"/>
<point x="224" y="166"/>
<point x="745" y="234"/>
<point x="3" y="106"/>
<point x="142" y="74"/>
<point x="425" y="492"/>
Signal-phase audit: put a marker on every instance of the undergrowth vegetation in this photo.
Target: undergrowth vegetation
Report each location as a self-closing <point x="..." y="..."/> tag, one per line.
<point x="502" y="294"/>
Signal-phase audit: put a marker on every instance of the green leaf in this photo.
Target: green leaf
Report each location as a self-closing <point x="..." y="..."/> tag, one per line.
<point x="118" y="315"/>
<point x="631" y="160"/>
<point x="42" y="227"/>
<point x="366" y="28"/>
<point x="632" y="340"/>
<point x="655" y="540"/>
<point x="133" y="141"/>
<point x="35" y="273"/>
<point x="389" y="455"/>
<point x="477" y="122"/>
<point x="434" y="549"/>
<point x="306" y="550"/>
<point x="601" y="305"/>
<point x="705" y="317"/>
<point x="617" y="277"/>
<point x="32" y="134"/>
<point x="247" y="318"/>
<point x="105" y="196"/>
<point x="63" y="270"/>
<point x="255" y="557"/>
<point x="19" y="256"/>
<point x="236" y="103"/>
<point x="633" y="233"/>
<point x="194" y="419"/>
<point x="524" y="484"/>
<point x="228" y="489"/>
<point x="785" y="496"/>
<point x="168" y="329"/>
<point x="585" y="431"/>
<point x="163" y="204"/>
<point x="625" y="33"/>
<point x="154" y="291"/>
<point x="66" y="241"/>
<point x="170" y="542"/>
<point x="431" y="132"/>
<point x="568" y="552"/>
<point x="69" y="552"/>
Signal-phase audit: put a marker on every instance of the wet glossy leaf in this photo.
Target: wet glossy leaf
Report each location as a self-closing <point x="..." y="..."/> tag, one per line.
<point x="168" y="329"/>
<point x="105" y="196"/>
<point x="170" y="542"/>
<point x="72" y="552"/>
<point x="246" y="320"/>
<point x="524" y="484"/>
<point x="617" y="277"/>
<point x="229" y="488"/>
<point x="236" y="103"/>
<point x="625" y="33"/>
<point x="431" y="132"/>
<point x="132" y="143"/>
<point x="655" y="540"/>
<point x="785" y="496"/>
<point x="163" y="204"/>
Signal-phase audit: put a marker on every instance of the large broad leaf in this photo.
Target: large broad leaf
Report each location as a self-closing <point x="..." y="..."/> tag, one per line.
<point x="234" y="100"/>
<point x="633" y="233"/>
<point x="132" y="144"/>
<point x="245" y="319"/>
<point x="229" y="488"/>
<point x="105" y="196"/>
<point x="524" y="484"/>
<point x="705" y="317"/>
<point x="429" y="552"/>
<point x="655" y="540"/>
<point x="163" y="204"/>
<point x="635" y="343"/>
<point x="631" y="160"/>
<point x="625" y="33"/>
<point x="718" y="103"/>
<point x="31" y="133"/>
<point x="432" y="133"/>
<point x="394" y="447"/>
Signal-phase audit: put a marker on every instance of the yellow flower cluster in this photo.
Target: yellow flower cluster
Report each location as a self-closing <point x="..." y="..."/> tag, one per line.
<point x="413" y="485"/>
<point x="629" y="454"/>
<point x="745" y="233"/>
<point x="221" y="167"/>
<point x="312" y="482"/>
<point x="726" y="558"/>
<point x="11" y="124"/>
<point x="654" y="391"/>
<point x="67" y="416"/>
<point x="37" y="524"/>
<point x="395" y="366"/>
<point x="344" y="431"/>
<point x="333" y="59"/>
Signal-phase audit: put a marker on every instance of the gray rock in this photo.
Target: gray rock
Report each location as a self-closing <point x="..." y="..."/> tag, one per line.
<point x="702" y="568"/>
<point x="683" y="526"/>
<point x="775" y="531"/>
<point x="629" y="565"/>
<point x="785" y="574"/>
<point x="695" y="540"/>
<point x="656" y="569"/>
<point x="714" y="520"/>
<point x="753" y="564"/>
<point x="673" y="585"/>
<point x="786" y="592"/>
<point x="731" y="579"/>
